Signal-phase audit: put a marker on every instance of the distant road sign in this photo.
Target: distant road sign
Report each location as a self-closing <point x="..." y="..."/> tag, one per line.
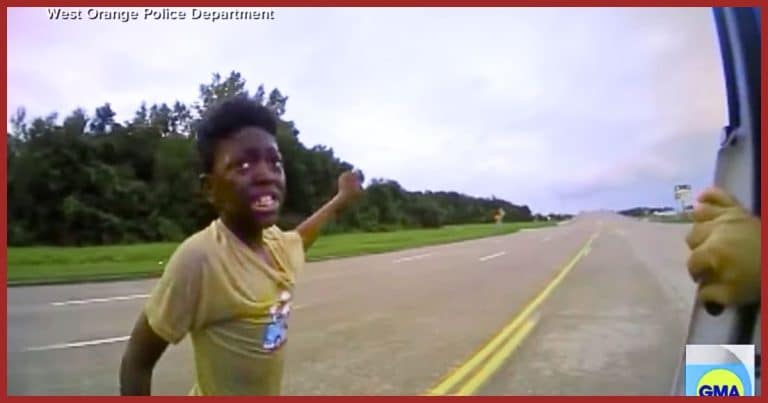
<point x="682" y="191"/>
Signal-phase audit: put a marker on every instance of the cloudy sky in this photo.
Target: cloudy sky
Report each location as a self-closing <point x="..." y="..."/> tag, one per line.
<point x="561" y="109"/>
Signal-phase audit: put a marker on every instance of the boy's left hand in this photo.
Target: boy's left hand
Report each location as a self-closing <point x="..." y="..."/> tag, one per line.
<point x="350" y="186"/>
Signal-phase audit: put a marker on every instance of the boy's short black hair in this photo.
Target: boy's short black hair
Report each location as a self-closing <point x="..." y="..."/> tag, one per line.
<point x="226" y="118"/>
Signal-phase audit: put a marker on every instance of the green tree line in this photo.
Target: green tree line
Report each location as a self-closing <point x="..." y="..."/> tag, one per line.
<point x="93" y="180"/>
<point x="645" y="211"/>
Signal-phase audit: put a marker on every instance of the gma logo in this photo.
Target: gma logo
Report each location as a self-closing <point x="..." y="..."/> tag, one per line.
<point x="720" y="382"/>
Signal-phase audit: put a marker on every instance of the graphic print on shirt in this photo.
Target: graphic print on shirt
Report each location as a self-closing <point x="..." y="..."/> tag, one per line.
<point x="275" y="333"/>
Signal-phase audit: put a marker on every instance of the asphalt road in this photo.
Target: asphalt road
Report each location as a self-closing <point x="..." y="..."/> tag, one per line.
<point x="595" y="306"/>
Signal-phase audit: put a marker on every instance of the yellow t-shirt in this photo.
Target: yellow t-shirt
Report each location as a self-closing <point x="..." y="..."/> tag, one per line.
<point x="233" y="305"/>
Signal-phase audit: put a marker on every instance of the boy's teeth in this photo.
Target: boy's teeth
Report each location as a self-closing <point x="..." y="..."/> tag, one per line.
<point x="265" y="201"/>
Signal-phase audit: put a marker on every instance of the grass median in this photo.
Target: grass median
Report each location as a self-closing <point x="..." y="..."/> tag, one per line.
<point x="51" y="265"/>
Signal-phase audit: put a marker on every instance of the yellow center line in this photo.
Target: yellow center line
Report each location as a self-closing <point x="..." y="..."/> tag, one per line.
<point x="461" y="372"/>
<point x="493" y="365"/>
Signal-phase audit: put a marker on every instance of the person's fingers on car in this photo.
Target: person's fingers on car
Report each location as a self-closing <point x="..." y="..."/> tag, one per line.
<point x="700" y="263"/>
<point x="717" y="293"/>
<point x="707" y="212"/>
<point x="699" y="233"/>
<point x="717" y="197"/>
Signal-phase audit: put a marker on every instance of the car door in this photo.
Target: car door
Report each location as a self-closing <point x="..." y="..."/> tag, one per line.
<point x="737" y="171"/>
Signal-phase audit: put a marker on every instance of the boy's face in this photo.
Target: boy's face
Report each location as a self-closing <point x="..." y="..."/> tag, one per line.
<point x="247" y="181"/>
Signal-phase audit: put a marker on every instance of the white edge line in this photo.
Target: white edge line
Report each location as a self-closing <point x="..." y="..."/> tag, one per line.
<point x="94" y="300"/>
<point x="97" y="342"/>
<point x="489" y="257"/>
<point x="409" y="258"/>
<point x="79" y="344"/>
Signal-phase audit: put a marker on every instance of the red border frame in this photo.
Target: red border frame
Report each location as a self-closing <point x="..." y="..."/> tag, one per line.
<point x="346" y="3"/>
<point x="380" y="3"/>
<point x="4" y="209"/>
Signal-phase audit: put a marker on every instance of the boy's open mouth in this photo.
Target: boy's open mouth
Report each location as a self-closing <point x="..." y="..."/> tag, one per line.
<point x="267" y="203"/>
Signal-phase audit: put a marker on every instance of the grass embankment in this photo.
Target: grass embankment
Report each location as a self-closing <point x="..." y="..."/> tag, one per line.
<point x="672" y="219"/>
<point x="50" y="265"/>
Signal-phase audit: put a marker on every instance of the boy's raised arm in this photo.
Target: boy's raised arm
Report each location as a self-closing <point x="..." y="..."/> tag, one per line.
<point x="349" y="189"/>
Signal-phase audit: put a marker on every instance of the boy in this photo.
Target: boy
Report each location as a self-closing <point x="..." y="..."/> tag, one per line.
<point x="230" y="285"/>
